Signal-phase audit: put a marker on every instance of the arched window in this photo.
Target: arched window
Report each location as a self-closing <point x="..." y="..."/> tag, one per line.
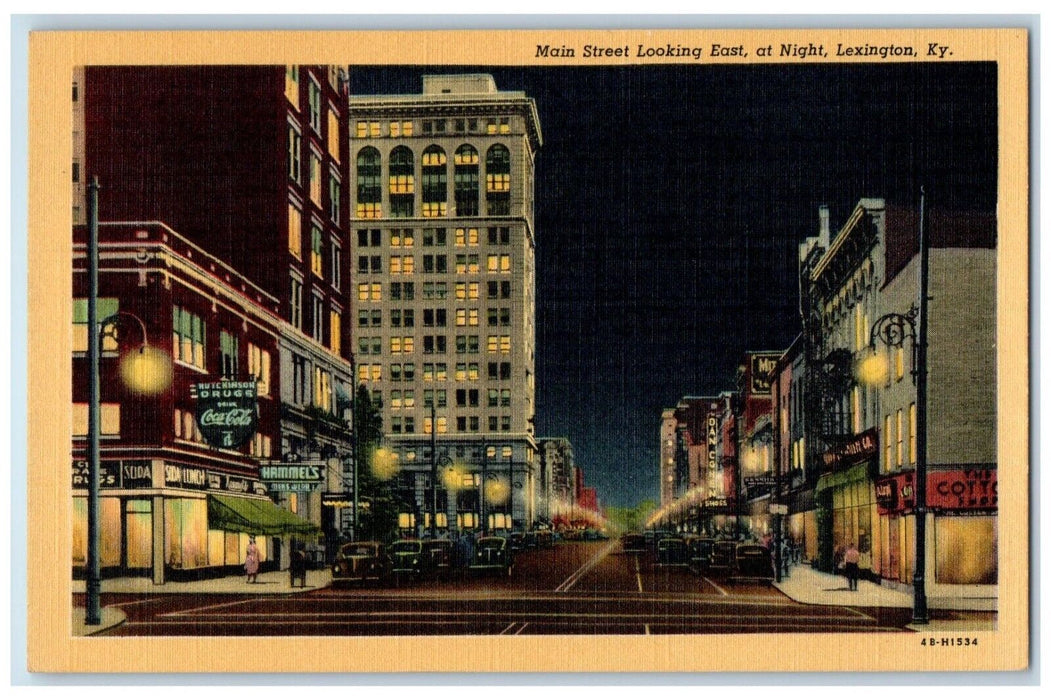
<point x="370" y="193"/>
<point x="465" y="180"/>
<point x="402" y="182"/>
<point x="498" y="180"/>
<point x="435" y="178"/>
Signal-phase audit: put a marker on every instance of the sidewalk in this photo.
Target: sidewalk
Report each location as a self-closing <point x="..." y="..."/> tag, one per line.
<point x="269" y="583"/>
<point x="805" y="584"/>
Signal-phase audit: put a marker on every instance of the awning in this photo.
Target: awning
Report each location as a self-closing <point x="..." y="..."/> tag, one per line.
<point x="254" y="516"/>
<point x="858" y="472"/>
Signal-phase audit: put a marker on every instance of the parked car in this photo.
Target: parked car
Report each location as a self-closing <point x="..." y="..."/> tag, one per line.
<point x="545" y="539"/>
<point x="699" y="554"/>
<point x="723" y="558"/>
<point x="632" y="543"/>
<point x="529" y="539"/>
<point x="410" y="559"/>
<point x="442" y="557"/>
<point x="671" y="551"/>
<point x="358" y="562"/>
<point x="754" y="560"/>
<point x="492" y="554"/>
<point x="517" y="541"/>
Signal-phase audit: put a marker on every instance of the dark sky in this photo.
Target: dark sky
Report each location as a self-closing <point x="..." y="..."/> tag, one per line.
<point x="670" y="202"/>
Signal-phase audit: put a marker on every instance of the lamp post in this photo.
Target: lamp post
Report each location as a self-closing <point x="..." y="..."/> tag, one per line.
<point x="434" y="471"/>
<point x="511" y="489"/>
<point x="893" y="330"/>
<point x="147" y="372"/>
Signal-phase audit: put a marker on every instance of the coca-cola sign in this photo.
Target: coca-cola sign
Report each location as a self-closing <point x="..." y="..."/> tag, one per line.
<point x="226" y="412"/>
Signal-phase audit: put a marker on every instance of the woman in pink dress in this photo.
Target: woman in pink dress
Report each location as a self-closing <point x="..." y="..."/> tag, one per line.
<point x="252" y="560"/>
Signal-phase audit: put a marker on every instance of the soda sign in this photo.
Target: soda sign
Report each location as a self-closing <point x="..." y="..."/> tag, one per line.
<point x="226" y="412"/>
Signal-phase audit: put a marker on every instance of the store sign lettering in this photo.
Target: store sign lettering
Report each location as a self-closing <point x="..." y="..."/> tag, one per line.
<point x="963" y="489"/>
<point x="861" y="447"/>
<point x="115" y="474"/>
<point x="185" y="477"/>
<point x="226" y="412"/>
<point x="762" y="366"/>
<point x="713" y="442"/>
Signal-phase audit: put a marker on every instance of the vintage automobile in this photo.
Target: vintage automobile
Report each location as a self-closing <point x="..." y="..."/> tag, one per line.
<point x="443" y="557"/>
<point x="671" y="551"/>
<point x="357" y="562"/>
<point x="632" y="543"/>
<point x="723" y="558"/>
<point x="517" y="541"/>
<point x="410" y="560"/>
<point x="545" y="539"/>
<point x="492" y="554"/>
<point x="753" y="560"/>
<point x="699" y="554"/>
<point x="529" y="539"/>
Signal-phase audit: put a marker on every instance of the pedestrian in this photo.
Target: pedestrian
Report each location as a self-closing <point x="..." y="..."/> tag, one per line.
<point x="786" y="557"/>
<point x="252" y="561"/>
<point x="297" y="569"/>
<point x="850" y="566"/>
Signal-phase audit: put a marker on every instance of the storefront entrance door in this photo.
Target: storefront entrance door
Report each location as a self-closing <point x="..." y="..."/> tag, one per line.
<point x="138" y="539"/>
<point x="893" y="543"/>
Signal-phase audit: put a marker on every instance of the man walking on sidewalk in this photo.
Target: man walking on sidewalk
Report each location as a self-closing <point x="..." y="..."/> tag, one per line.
<point x="850" y="566"/>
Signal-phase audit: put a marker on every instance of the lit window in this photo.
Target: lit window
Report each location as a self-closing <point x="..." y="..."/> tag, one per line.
<point x="314" y="98"/>
<point x="333" y="135"/>
<point x="435" y="182"/>
<point x="899" y="363"/>
<point x="901" y="438"/>
<point x="912" y="433"/>
<point x="498" y="180"/>
<point x="401" y="182"/>
<point x="315" y="179"/>
<point x="228" y="352"/>
<point x="292" y="84"/>
<point x="295" y="146"/>
<point x="187" y="337"/>
<point x="109" y="419"/>
<point x="888" y="437"/>
<point x="370" y="192"/>
<point x="295" y="231"/>
<point x="317" y="247"/>
<point x="335" y="322"/>
<point x="259" y="368"/>
<point x="105" y="307"/>
<point x="465" y="179"/>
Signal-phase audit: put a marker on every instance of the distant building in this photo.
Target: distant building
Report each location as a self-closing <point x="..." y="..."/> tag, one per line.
<point x="555" y="478"/>
<point x="443" y="249"/>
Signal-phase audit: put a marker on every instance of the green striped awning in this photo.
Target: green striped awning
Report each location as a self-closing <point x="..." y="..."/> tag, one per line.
<point x="859" y="472"/>
<point x="254" y="516"/>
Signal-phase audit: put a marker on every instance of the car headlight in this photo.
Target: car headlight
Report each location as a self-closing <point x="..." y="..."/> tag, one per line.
<point x="415" y="561"/>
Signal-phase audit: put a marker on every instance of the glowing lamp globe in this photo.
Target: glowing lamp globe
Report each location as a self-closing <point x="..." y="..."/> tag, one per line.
<point x="873" y="368"/>
<point x="496" y="491"/>
<point x="384" y="464"/>
<point x="146" y="371"/>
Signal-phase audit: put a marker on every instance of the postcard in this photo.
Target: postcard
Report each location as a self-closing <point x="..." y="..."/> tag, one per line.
<point x="618" y="350"/>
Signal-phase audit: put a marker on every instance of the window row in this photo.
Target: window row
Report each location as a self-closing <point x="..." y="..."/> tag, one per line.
<point x="397" y="128"/>
<point x="317" y="317"/>
<point x="400" y="425"/>
<point x="433" y="237"/>
<point x="434" y="182"/>
<point x="315" y="179"/>
<point x="433" y="371"/>
<point x="899" y="438"/>
<point x="316" y="252"/>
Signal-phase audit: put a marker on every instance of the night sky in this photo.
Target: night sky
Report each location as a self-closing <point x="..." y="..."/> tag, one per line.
<point x="670" y="202"/>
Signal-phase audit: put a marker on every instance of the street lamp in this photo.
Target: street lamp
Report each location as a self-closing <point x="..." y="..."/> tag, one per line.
<point x="146" y="371"/>
<point x="892" y="330"/>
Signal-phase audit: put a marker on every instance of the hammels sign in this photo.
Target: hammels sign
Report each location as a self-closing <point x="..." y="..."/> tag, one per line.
<point x="226" y="412"/>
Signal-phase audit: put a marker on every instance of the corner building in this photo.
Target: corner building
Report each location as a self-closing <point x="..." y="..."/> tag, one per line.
<point x="442" y="255"/>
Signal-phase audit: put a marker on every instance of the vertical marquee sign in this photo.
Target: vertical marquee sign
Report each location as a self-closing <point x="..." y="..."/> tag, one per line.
<point x="226" y="412"/>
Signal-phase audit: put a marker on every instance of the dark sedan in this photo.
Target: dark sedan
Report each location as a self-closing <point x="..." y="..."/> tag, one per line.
<point x="409" y="559"/>
<point x="671" y="551"/>
<point x="492" y="554"/>
<point x="753" y="560"/>
<point x="699" y="553"/>
<point x="723" y="558"/>
<point x="358" y="562"/>
<point x="632" y="543"/>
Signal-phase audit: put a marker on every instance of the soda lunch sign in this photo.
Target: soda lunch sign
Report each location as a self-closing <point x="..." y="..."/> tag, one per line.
<point x="226" y="412"/>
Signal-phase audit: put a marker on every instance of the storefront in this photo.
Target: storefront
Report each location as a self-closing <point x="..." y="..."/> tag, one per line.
<point x="801" y="524"/>
<point x="845" y="504"/>
<point x="165" y="519"/>
<point x="962" y="529"/>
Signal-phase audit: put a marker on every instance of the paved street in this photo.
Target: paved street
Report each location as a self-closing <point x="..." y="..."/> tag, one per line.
<point x="574" y="588"/>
